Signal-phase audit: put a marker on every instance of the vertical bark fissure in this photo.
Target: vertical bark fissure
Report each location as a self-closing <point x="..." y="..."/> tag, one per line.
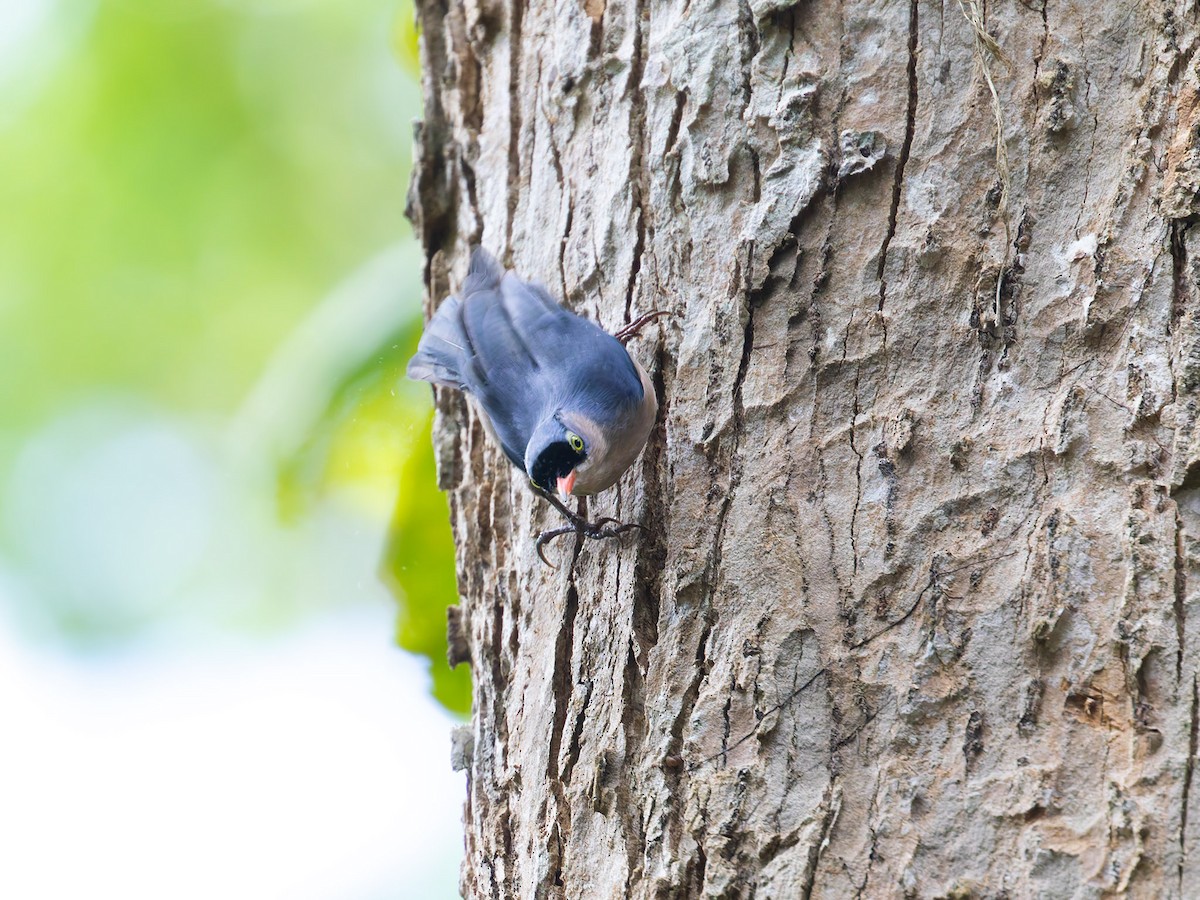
<point x="725" y="724"/>
<point x="652" y="549"/>
<point x="1087" y="102"/>
<point x="858" y="462"/>
<point x="500" y="724"/>
<point x="1179" y="278"/>
<point x="735" y="462"/>
<point x="574" y="745"/>
<point x="640" y="181"/>
<point x="562" y="247"/>
<point x="516" y="13"/>
<point x="496" y="658"/>
<point x="560" y="678"/>
<point x="691" y="693"/>
<point x="872" y="855"/>
<point x="1180" y="585"/>
<point x="430" y="202"/>
<point x="1037" y="60"/>
<point x="1189" y="771"/>
<point x="831" y="806"/>
<point x="714" y="567"/>
<point x="561" y="177"/>
<point x="468" y="177"/>
<point x="679" y="774"/>
<point x="633" y="811"/>
<point x="563" y="689"/>
<point x="676" y="123"/>
<point x="910" y="121"/>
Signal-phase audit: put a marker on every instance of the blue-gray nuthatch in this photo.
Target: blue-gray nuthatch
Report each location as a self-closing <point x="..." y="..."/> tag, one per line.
<point x="562" y="397"/>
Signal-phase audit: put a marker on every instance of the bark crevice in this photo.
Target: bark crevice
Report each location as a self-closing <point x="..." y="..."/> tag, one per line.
<point x="1189" y="771"/>
<point x="639" y="185"/>
<point x="515" y="55"/>
<point x="910" y="122"/>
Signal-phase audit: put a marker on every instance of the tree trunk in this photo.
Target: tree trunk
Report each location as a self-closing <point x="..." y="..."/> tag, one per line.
<point x="916" y="609"/>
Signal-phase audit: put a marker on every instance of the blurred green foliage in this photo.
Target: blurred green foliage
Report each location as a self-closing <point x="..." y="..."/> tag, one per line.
<point x="185" y="181"/>
<point x="188" y="180"/>
<point x="406" y="41"/>
<point x="420" y="564"/>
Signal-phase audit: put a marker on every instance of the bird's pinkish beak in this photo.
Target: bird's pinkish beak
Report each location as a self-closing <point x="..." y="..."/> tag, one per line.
<point x="566" y="485"/>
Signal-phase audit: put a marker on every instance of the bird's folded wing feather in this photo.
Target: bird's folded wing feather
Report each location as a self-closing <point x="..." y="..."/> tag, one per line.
<point x="521" y="354"/>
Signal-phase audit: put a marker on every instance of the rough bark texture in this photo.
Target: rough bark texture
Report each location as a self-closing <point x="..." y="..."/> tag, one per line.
<point x="918" y="608"/>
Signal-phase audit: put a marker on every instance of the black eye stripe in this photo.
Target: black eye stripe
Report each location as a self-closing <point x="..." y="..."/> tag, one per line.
<point x="554" y="462"/>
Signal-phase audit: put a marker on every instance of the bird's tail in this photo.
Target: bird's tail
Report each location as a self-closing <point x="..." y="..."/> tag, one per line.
<point x="445" y="350"/>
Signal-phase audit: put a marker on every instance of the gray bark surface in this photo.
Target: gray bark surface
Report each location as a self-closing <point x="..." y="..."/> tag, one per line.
<point x="916" y="610"/>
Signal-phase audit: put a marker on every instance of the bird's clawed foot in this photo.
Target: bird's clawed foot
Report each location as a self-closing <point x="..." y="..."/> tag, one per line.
<point x="634" y="328"/>
<point x="598" y="530"/>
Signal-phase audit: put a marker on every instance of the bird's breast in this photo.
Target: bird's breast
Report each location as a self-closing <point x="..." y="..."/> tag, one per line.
<point x="622" y="443"/>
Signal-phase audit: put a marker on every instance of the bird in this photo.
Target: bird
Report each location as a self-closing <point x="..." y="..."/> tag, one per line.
<point x="560" y="396"/>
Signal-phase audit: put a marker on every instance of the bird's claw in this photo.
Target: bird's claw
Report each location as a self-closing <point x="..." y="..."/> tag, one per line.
<point x="632" y="330"/>
<point x="597" y="530"/>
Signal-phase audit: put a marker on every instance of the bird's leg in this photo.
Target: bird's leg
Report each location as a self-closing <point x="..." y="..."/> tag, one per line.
<point x="602" y="528"/>
<point x="633" y="329"/>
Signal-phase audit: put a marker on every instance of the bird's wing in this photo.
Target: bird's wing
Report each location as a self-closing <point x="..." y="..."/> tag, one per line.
<point x="516" y="334"/>
<point x="572" y="352"/>
<point x="491" y="341"/>
<point x="444" y="355"/>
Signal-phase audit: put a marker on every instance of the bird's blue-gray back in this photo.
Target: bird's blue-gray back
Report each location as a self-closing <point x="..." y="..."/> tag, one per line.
<point x="522" y="355"/>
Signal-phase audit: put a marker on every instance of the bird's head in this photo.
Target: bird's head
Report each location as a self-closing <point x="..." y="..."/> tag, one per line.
<point x="559" y="450"/>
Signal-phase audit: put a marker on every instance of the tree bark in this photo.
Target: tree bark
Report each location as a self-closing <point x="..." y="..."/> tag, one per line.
<point x="915" y="613"/>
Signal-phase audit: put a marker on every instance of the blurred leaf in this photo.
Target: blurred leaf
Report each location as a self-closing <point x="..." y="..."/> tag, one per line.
<point x="378" y="421"/>
<point x="359" y="443"/>
<point x="406" y="41"/>
<point x="419" y="566"/>
<point x="182" y="187"/>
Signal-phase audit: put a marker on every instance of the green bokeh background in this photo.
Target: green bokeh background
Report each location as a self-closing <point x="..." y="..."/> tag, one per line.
<point x="201" y="222"/>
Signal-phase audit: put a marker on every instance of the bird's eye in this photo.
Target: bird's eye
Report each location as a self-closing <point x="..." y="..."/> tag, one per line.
<point x="575" y="441"/>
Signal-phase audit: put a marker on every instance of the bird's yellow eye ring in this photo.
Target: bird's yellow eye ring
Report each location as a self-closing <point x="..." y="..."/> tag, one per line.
<point x="575" y="441"/>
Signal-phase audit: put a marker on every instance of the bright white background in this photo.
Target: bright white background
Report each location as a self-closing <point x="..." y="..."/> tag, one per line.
<point x="248" y="730"/>
<point x="309" y="765"/>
